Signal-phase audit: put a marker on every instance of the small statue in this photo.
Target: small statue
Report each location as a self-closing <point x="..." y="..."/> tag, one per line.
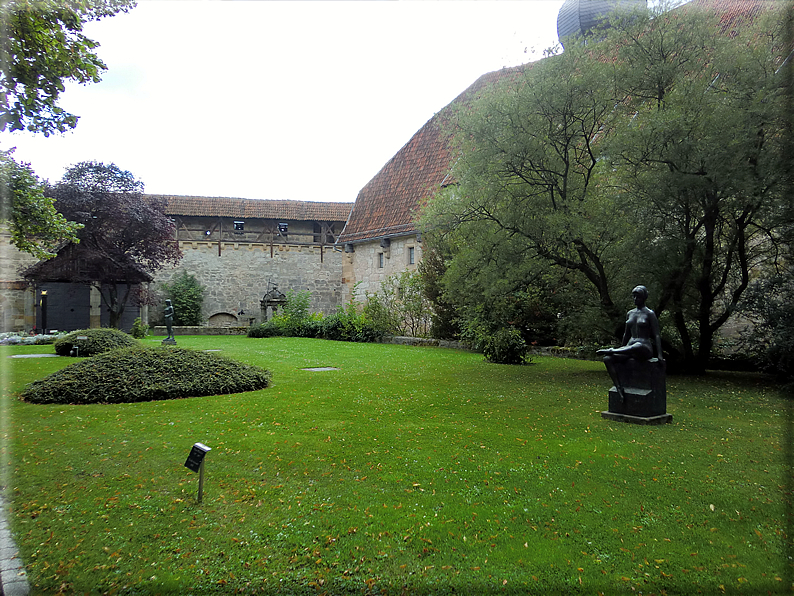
<point x="639" y="339"/>
<point x="169" y="321"/>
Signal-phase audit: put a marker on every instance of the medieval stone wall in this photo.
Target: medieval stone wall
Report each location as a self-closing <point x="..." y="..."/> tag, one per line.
<point x="237" y="276"/>
<point x="367" y="268"/>
<point x="16" y="300"/>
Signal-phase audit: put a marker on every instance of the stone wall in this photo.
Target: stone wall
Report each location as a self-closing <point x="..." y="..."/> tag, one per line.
<point x="160" y="330"/>
<point x="363" y="267"/>
<point x="238" y="277"/>
<point x="16" y="299"/>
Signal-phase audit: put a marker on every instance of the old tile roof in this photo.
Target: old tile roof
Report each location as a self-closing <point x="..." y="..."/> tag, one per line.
<point x="77" y="263"/>
<point x="254" y="208"/>
<point x="732" y="13"/>
<point x="387" y="205"/>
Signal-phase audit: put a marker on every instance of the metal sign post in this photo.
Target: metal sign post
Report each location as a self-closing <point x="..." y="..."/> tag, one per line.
<point x="195" y="462"/>
<point x="201" y="481"/>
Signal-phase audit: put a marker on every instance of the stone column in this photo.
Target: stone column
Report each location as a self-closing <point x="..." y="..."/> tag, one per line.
<point x="95" y="314"/>
<point x="29" y="315"/>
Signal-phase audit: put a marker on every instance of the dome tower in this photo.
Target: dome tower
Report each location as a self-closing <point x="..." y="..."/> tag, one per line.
<point x="580" y="17"/>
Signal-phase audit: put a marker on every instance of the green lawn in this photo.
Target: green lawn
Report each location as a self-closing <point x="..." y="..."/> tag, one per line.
<point x="407" y="470"/>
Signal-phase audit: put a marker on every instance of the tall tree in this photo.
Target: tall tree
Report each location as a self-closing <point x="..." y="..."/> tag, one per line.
<point x="529" y="191"/>
<point x="700" y="154"/>
<point x="650" y="154"/>
<point x="126" y="236"/>
<point x="42" y="47"/>
<point x="36" y="227"/>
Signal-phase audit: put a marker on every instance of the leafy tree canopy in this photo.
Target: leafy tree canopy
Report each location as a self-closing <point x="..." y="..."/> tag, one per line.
<point x="649" y="154"/>
<point x="120" y="222"/>
<point x="187" y="297"/>
<point x="36" y="227"/>
<point x="43" y="48"/>
<point x="126" y="236"/>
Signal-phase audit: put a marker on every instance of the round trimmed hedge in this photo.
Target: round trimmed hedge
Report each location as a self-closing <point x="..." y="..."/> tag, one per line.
<point x="97" y="341"/>
<point x="137" y="374"/>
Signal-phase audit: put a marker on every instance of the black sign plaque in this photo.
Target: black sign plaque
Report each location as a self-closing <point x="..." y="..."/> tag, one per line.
<point x="196" y="456"/>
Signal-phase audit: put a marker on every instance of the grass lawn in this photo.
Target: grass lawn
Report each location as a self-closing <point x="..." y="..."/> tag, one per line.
<point x="407" y="470"/>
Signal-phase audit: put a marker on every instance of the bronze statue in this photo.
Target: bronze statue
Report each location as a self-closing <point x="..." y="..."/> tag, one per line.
<point x="639" y="339"/>
<point x="169" y="319"/>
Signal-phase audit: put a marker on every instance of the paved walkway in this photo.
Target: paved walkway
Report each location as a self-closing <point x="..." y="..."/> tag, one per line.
<point x="13" y="579"/>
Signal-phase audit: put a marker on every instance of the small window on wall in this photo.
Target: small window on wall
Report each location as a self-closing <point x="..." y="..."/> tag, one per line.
<point x="239" y="226"/>
<point x="411" y="256"/>
<point x="380" y="260"/>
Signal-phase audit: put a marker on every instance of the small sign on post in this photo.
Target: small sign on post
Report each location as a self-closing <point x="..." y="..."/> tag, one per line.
<point x="195" y="462"/>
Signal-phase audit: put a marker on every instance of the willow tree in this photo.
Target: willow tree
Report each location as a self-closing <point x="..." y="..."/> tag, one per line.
<point x="649" y="153"/>
<point x="529" y="192"/>
<point x="699" y="150"/>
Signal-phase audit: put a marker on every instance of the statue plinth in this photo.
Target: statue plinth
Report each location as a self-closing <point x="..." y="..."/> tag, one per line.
<point x="643" y="399"/>
<point x="169" y="341"/>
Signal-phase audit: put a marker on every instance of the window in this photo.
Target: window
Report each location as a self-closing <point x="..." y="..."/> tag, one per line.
<point x="239" y="226"/>
<point x="411" y="256"/>
<point x="380" y="260"/>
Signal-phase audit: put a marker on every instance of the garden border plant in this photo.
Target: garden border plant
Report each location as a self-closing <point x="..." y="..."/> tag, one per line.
<point x="96" y="341"/>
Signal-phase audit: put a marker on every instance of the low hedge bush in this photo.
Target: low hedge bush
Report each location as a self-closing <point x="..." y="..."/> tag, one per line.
<point x="506" y="346"/>
<point x="341" y="326"/>
<point x="140" y="373"/>
<point x="267" y="329"/>
<point x="97" y="341"/>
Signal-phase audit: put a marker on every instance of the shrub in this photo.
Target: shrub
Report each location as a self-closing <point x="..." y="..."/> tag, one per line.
<point x="350" y="323"/>
<point x="296" y="307"/>
<point x="347" y="324"/>
<point x="506" y="346"/>
<point x="14" y="338"/>
<point x="401" y="306"/>
<point x="769" y="340"/>
<point x="139" y="374"/>
<point x="139" y="329"/>
<point x="97" y="341"/>
<point x="266" y="329"/>
<point x="187" y="298"/>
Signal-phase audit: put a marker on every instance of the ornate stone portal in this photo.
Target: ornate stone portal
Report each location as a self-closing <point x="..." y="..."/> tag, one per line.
<point x="271" y="302"/>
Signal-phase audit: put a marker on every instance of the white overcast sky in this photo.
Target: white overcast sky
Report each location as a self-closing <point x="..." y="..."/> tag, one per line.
<point x="278" y="100"/>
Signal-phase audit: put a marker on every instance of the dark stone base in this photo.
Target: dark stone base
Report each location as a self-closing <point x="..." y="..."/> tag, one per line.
<point x="644" y="399"/>
<point x="661" y="419"/>
<point x="169" y="341"/>
<point x="639" y="402"/>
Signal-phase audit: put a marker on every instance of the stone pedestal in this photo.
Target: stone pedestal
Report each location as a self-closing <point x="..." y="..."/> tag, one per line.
<point x="644" y="399"/>
<point x="169" y="341"/>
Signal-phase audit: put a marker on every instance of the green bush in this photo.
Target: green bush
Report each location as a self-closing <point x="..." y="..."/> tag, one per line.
<point x="506" y="346"/>
<point x="145" y="374"/>
<point x="266" y="329"/>
<point x="187" y="297"/>
<point x="350" y="323"/>
<point x="347" y="324"/>
<point x="400" y="307"/>
<point x="97" y="341"/>
<point x="139" y="329"/>
<point x="769" y="341"/>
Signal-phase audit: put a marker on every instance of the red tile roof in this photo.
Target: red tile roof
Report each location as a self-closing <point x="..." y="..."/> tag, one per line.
<point x="254" y="208"/>
<point x="387" y="205"/>
<point x="732" y="12"/>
